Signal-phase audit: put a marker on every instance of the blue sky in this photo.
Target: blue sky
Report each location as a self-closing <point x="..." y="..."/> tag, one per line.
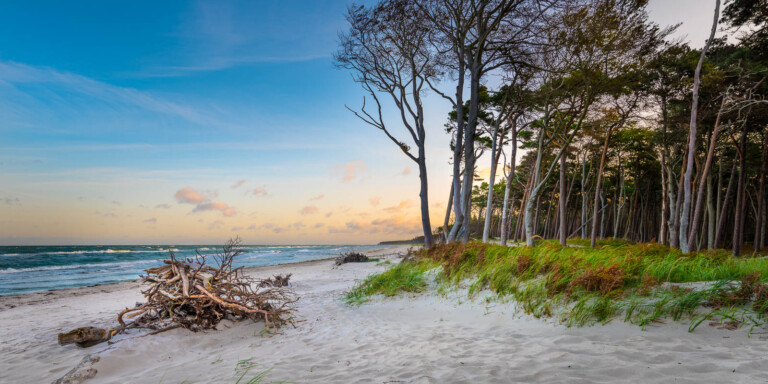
<point x="108" y="110"/>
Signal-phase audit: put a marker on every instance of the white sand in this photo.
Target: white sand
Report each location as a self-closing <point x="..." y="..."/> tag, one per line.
<point x="427" y="339"/>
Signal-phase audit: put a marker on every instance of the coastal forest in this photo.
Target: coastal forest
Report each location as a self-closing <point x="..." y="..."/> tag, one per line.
<point x="595" y="122"/>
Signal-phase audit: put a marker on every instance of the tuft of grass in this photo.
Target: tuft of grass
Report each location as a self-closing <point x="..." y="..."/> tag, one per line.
<point x="402" y="277"/>
<point x="244" y="367"/>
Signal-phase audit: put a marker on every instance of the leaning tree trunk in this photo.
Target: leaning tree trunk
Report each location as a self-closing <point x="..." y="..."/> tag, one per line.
<point x="723" y="210"/>
<point x="458" y="219"/>
<point x="506" y="215"/>
<point x="684" y="238"/>
<point x="698" y="211"/>
<point x="491" y="181"/>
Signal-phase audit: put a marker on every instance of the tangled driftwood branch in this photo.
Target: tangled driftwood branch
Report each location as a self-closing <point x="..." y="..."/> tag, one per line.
<point x="351" y="257"/>
<point x="196" y="296"/>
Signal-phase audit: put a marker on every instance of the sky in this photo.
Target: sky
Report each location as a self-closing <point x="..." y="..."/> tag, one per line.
<point x="189" y="122"/>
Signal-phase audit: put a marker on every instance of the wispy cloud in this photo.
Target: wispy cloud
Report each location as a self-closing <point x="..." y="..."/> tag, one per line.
<point x="225" y="209"/>
<point x="12" y="201"/>
<point x="308" y="210"/>
<point x="203" y="201"/>
<point x="349" y="171"/>
<point x="406" y="204"/>
<point x="260" y="191"/>
<point x="406" y="171"/>
<point x="188" y="195"/>
<point x="151" y="221"/>
<point x="18" y="74"/>
<point x="218" y="224"/>
<point x="375" y="200"/>
<point x="238" y="184"/>
<point x="217" y="35"/>
<point x="316" y="198"/>
<point x="163" y="206"/>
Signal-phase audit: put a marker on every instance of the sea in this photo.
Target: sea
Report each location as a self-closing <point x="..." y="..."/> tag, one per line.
<point x="26" y="269"/>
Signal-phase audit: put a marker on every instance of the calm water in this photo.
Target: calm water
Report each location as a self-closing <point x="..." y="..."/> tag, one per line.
<point x="40" y="268"/>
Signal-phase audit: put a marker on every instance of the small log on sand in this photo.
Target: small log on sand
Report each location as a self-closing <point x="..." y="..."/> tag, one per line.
<point x="86" y="336"/>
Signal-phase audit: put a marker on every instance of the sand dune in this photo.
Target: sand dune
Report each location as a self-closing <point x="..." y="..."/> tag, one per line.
<point x="426" y="339"/>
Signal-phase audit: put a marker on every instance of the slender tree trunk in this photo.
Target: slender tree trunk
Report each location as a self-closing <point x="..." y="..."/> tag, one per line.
<point x="505" y="214"/>
<point x="584" y="198"/>
<point x="662" y="229"/>
<point x="619" y="201"/>
<point x="491" y="181"/>
<point x="684" y="239"/>
<point x="469" y="150"/>
<point x="448" y="214"/>
<point x="457" y="156"/>
<point x="563" y="201"/>
<point x="697" y="212"/>
<point x="602" y="216"/>
<point x="424" y="196"/>
<point x="710" y="215"/>
<point x="722" y="216"/>
<point x="758" y="242"/>
<point x="738" y="234"/>
<point x="675" y="241"/>
<point x="598" y="194"/>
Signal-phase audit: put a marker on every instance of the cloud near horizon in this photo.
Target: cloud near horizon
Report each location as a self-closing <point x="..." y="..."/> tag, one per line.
<point x="405" y="204"/>
<point x="238" y="184"/>
<point x="224" y="208"/>
<point x="203" y="203"/>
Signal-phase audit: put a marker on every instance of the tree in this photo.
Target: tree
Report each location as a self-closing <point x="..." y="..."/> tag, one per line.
<point x="684" y="246"/>
<point x="386" y="51"/>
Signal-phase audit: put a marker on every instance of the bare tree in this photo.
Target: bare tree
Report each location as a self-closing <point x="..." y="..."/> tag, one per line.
<point x="386" y="51"/>
<point x="684" y="245"/>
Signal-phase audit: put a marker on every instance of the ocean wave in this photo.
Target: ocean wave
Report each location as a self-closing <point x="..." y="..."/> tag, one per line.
<point x="74" y="266"/>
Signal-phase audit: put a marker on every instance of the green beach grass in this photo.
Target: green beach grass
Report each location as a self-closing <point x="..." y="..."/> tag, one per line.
<point x="637" y="283"/>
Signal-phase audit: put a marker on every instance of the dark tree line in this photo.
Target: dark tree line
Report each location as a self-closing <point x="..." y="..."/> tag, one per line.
<point x="624" y="132"/>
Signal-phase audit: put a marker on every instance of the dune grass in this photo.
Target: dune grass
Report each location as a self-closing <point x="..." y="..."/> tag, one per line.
<point x="402" y="277"/>
<point x="639" y="283"/>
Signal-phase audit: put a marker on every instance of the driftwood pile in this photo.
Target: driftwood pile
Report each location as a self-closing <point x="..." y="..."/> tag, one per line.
<point x="351" y="257"/>
<point x="192" y="294"/>
<point x="276" y="281"/>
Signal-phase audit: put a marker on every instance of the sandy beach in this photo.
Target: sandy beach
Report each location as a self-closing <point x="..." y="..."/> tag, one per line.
<point x="428" y="338"/>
